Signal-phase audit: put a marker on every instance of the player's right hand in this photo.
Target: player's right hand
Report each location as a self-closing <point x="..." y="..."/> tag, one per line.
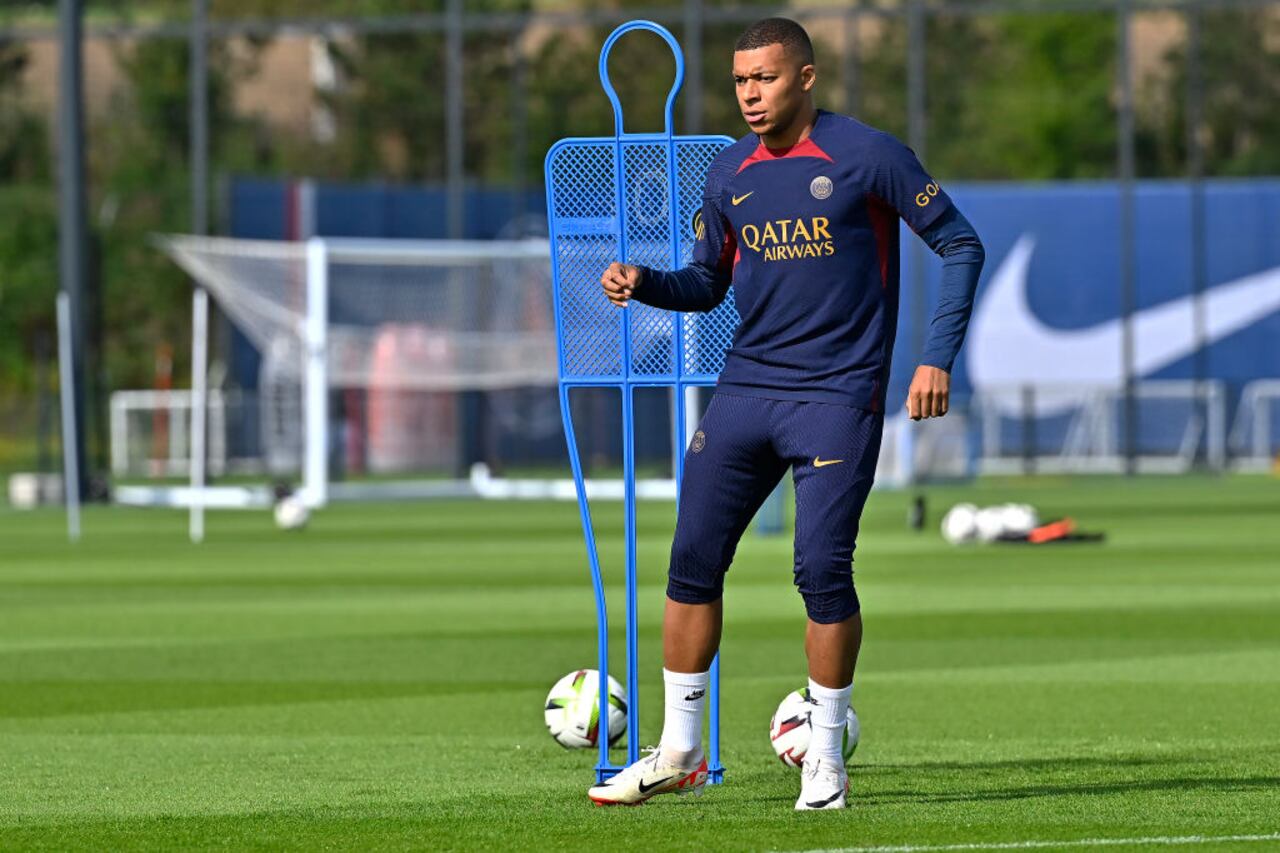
<point x="619" y="282"/>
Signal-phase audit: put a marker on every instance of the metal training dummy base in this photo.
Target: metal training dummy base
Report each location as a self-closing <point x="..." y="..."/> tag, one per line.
<point x="631" y="197"/>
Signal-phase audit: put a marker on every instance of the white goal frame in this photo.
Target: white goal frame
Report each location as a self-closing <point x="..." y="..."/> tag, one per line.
<point x="1094" y="444"/>
<point x="1252" y="433"/>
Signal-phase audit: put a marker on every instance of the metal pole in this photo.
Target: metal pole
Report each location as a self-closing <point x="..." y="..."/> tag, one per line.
<point x="693" y="15"/>
<point x="315" y="471"/>
<point x="917" y="131"/>
<point x="70" y="465"/>
<point x="471" y="411"/>
<point x="519" y="133"/>
<point x="454" y="137"/>
<point x="72" y="244"/>
<point x="917" y="118"/>
<point x="852" y="59"/>
<point x="1195" y="181"/>
<point x="1030" y="441"/>
<point x="916" y="138"/>
<point x="199" y="116"/>
<point x="199" y="82"/>
<point x="1128" y="288"/>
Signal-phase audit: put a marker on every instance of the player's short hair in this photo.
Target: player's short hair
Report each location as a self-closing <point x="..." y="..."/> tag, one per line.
<point x="783" y="31"/>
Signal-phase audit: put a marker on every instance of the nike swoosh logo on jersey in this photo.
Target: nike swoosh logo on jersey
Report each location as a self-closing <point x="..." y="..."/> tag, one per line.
<point x="644" y="789"/>
<point x="739" y="199"/>
<point x="819" y="462"/>
<point x="1009" y="345"/>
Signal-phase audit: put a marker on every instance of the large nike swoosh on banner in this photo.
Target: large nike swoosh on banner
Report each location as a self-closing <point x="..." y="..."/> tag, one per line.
<point x="1008" y="345"/>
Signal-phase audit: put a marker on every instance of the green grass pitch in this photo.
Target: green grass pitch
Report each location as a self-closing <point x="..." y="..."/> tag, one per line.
<point x="376" y="681"/>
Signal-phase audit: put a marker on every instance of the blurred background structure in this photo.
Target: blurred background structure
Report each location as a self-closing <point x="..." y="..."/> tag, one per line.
<point x="1119" y="158"/>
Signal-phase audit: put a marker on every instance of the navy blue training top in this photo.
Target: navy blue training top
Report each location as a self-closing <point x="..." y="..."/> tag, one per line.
<point x="808" y="237"/>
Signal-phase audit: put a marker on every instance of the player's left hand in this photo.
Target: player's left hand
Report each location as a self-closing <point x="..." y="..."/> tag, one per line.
<point x="930" y="393"/>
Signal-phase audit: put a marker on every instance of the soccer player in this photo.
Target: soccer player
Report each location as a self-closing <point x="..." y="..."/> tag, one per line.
<point x="801" y="217"/>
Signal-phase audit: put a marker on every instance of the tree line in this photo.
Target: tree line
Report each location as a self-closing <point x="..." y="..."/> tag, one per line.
<point x="1010" y="97"/>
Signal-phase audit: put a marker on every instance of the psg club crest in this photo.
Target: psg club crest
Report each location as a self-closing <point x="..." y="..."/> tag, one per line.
<point x="821" y="187"/>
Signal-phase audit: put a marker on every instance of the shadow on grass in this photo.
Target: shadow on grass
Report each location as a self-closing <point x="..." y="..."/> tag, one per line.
<point x="1063" y="763"/>
<point x="1223" y="784"/>
<point x="943" y="773"/>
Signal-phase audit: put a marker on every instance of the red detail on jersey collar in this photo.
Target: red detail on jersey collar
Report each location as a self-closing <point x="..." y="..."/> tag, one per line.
<point x="804" y="148"/>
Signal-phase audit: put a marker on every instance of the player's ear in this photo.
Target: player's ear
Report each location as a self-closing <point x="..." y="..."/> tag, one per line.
<point x="808" y="77"/>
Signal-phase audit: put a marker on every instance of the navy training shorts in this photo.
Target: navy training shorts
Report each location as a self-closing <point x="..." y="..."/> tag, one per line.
<point x="740" y="452"/>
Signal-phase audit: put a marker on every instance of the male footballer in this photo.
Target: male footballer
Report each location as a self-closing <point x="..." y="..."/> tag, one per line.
<point x="801" y="217"/>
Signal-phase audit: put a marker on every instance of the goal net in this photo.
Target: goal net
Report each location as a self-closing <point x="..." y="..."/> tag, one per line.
<point x="379" y="360"/>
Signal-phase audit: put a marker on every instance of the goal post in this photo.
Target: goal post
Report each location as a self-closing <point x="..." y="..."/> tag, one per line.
<point x="315" y="486"/>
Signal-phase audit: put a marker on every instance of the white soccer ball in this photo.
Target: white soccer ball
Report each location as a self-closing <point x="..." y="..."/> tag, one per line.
<point x="291" y="513"/>
<point x="1019" y="519"/>
<point x="960" y="524"/>
<point x="989" y="523"/>
<point x="790" y="729"/>
<point x="573" y="710"/>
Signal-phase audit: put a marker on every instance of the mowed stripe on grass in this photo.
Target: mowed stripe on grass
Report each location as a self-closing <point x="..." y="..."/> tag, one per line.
<point x="1153" y="841"/>
<point x="377" y="681"/>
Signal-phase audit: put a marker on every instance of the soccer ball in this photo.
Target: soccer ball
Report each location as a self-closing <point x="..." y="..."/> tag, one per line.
<point x="1019" y="519"/>
<point x="960" y="524"/>
<point x="291" y="513"/>
<point x="790" y="729"/>
<point x="990" y="523"/>
<point x="573" y="710"/>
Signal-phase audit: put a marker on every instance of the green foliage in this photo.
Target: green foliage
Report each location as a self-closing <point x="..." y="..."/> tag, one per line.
<point x="139" y="168"/>
<point x="29" y="237"/>
<point x="882" y="79"/>
<point x="720" y="113"/>
<point x="1240" y="65"/>
<point x="24" y="137"/>
<point x="391" y="113"/>
<point x="565" y="95"/>
<point x="1009" y="97"/>
<point x="28" y="278"/>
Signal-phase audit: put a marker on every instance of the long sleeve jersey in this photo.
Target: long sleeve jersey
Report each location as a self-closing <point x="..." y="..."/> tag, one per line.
<point x="808" y="238"/>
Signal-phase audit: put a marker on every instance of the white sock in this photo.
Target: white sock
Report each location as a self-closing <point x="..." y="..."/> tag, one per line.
<point x="682" y="725"/>
<point x="828" y="722"/>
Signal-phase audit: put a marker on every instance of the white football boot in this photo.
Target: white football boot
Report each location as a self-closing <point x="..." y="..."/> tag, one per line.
<point x="647" y="778"/>
<point x="823" y="785"/>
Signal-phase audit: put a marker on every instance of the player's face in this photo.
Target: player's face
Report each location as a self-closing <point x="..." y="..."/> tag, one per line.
<point x="772" y="88"/>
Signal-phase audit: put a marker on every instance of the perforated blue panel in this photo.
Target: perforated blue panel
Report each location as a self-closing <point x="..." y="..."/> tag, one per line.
<point x="588" y="181"/>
